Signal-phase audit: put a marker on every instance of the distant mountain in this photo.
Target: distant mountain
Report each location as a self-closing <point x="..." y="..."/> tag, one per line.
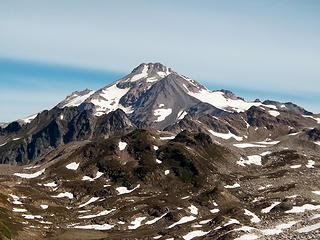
<point x="158" y="96"/>
<point x="152" y="96"/>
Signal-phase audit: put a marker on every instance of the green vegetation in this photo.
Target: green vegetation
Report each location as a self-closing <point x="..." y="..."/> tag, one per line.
<point x="4" y="231"/>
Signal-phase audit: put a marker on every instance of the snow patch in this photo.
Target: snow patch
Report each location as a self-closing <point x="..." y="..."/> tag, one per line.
<point x="87" y="178"/>
<point x="232" y="221"/>
<point x="110" y="100"/>
<point x="73" y="166"/>
<point x="167" y="138"/>
<point x="218" y="100"/>
<point x="268" y="143"/>
<point x="96" y="227"/>
<point x="278" y="229"/>
<point x="136" y="223"/>
<point x="191" y="235"/>
<point x="226" y="135"/>
<point x="268" y="209"/>
<point x="122" y="145"/>
<point x="310" y="164"/>
<point x="29" y="118"/>
<point x="274" y="113"/>
<point x="236" y="185"/>
<point x="124" y="190"/>
<point x="182" y="114"/>
<point x="27" y="216"/>
<point x="102" y="213"/>
<point x="155" y="219"/>
<point x="162" y="114"/>
<point x="51" y="184"/>
<point x="32" y="175"/>
<point x="19" y="210"/>
<point x="205" y="221"/>
<point x="296" y="166"/>
<point x="314" y="118"/>
<point x="143" y="74"/>
<point x="309" y="228"/>
<point x="301" y="209"/>
<point x="254" y="219"/>
<point x="247" y="145"/>
<point x="254" y="159"/>
<point x="294" y="134"/>
<point x="193" y="209"/>
<point x="215" y="210"/>
<point x="91" y="200"/>
<point x="65" y="194"/>
<point x="75" y="100"/>
<point x="183" y="220"/>
<point x="152" y="79"/>
<point x="265" y="153"/>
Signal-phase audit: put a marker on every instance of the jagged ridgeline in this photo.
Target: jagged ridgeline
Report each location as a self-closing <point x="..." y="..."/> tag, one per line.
<point x="156" y="155"/>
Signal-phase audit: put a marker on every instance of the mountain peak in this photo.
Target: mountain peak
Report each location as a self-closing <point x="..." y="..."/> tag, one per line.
<point x="151" y="66"/>
<point x="148" y="71"/>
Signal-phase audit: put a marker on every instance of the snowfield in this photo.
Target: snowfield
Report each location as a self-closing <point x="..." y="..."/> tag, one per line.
<point x="218" y="100"/>
<point x="124" y="190"/>
<point x="122" y="145"/>
<point x="108" y="100"/>
<point x="75" y="100"/>
<point x="73" y="166"/>
<point x="65" y="194"/>
<point x="254" y="159"/>
<point x="183" y="220"/>
<point x="162" y="114"/>
<point x="225" y="135"/>
<point x="32" y="175"/>
<point x="274" y="113"/>
<point x="247" y="145"/>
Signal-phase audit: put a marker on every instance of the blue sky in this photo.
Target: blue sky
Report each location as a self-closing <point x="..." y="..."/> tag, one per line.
<point x="258" y="49"/>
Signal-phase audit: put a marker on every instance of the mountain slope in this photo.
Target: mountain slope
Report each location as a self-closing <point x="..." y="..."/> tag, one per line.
<point x="141" y="186"/>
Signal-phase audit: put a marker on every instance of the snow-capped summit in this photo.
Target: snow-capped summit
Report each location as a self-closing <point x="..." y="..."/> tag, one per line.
<point x="158" y="96"/>
<point x="151" y="72"/>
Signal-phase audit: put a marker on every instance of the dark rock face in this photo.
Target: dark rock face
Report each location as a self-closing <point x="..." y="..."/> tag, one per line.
<point x="11" y="128"/>
<point x="314" y="134"/>
<point x="202" y="109"/>
<point x="259" y="118"/>
<point x="114" y="123"/>
<point x="58" y="127"/>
